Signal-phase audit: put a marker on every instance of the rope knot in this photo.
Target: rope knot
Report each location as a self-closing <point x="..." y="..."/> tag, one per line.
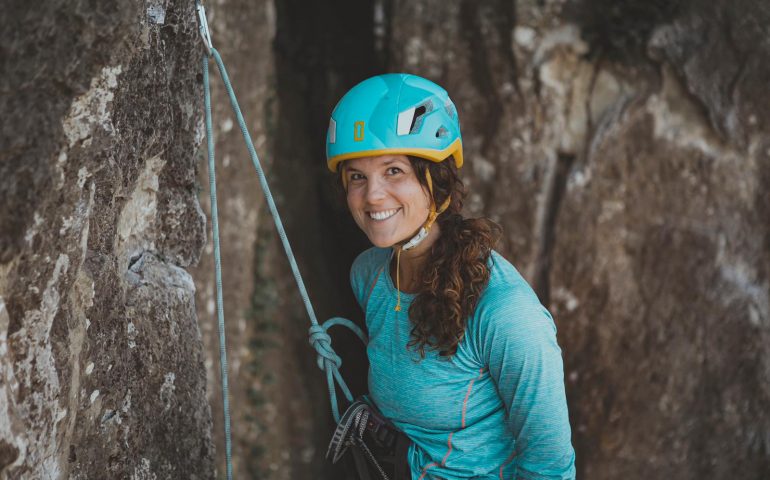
<point x="322" y="342"/>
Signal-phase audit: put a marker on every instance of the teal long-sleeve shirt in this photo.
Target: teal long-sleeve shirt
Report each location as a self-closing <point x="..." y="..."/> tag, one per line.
<point x="495" y="410"/>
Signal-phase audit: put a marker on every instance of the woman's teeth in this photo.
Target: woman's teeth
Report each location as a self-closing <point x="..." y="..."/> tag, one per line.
<point x="384" y="215"/>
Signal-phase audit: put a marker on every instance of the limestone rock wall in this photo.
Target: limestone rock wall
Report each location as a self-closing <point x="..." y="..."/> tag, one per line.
<point x="663" y="295"/>
<point x="101" y="365"/>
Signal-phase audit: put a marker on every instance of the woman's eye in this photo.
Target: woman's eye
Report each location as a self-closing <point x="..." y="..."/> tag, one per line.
<point x="355" y="176"/>
<point x="394" y="170"/>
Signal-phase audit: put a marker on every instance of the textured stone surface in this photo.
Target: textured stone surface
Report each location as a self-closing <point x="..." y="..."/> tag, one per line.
<point x="100" y="352"/>
<point x="660" y="276"/>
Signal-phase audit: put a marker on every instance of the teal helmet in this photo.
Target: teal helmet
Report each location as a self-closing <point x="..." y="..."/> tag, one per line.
<point x="395" y="113"/>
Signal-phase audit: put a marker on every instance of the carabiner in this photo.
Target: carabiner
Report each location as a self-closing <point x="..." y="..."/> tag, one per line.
<point x="203" y="27"/>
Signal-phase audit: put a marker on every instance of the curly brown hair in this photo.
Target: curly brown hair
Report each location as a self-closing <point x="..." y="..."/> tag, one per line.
<point x="457" y="268"/>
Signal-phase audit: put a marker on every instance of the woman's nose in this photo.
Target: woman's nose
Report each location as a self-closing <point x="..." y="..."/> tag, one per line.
<point x="374" y="191"/>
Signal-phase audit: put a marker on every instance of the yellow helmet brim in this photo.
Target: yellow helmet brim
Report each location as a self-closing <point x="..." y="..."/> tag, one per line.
<point x="454" y="149"/>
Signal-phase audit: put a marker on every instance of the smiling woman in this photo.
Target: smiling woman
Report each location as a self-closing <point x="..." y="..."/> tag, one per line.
<point x="464" y="362"/>
<point x="385" y="198"/>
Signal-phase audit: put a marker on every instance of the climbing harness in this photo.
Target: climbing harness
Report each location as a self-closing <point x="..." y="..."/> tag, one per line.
<point x="360" y="423"/>
<point x="327" y="359"/>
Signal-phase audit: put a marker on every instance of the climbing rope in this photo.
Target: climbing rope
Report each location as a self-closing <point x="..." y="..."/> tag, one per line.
<point x="327" y="359"/>
<point x="218" y="272"/>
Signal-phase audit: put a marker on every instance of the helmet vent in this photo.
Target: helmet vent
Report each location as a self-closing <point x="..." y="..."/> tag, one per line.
<point x="442" y="132"/>
<point x="332" y="131"/>
<point x="450" y="110"/>
<point x="410" y="120"/>
<point x="419" y="115"/>
<point x="419" y="112"/>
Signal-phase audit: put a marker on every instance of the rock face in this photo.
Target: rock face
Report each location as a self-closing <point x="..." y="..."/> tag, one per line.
<point x="101" y="365"/>
<point x="663" y="295"/>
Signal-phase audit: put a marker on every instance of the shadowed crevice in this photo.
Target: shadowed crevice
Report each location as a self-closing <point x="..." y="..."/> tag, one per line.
<point x="506" y="26"/>
<point x="321" y="51"/>
<point x="554" y="187"/>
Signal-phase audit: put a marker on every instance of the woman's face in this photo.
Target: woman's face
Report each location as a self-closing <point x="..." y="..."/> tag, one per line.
<point x="385" y="198"/>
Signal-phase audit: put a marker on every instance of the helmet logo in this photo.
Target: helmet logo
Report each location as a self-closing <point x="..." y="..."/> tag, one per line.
<point x="358" y="131"/>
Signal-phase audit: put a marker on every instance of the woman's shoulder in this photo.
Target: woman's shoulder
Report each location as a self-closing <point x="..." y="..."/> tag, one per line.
<point x="504" y="276"/>
<point x="373" y="257"/>
<point x="365" y="269"/>
<point x="508" y="299"/>
<point x="368" y="263"/>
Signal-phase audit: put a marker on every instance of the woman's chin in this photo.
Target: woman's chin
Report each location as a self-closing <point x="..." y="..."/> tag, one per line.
<point x="382" y="241"/>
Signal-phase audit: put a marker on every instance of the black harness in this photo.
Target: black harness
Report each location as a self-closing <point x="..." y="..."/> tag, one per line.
<point x="379" y="448"/>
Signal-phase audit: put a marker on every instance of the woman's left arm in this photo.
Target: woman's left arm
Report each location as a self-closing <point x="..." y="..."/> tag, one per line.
<point x="518" y="341"/>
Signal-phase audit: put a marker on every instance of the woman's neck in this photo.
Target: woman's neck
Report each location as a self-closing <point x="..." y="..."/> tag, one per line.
<point x="412" y="261"/>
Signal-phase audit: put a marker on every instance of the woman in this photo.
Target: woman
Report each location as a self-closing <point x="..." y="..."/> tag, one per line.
<point x="463" y="357"/>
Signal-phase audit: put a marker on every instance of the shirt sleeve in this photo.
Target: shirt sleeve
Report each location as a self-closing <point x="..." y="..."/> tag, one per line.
<point x="517" y="339"/>
<point x="356" y="280"/>
<point x="365" y="271"/>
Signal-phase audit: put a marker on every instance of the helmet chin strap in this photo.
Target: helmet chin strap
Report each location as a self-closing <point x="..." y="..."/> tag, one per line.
<point x="416" y="240"/>
<point x="422" y="234"/>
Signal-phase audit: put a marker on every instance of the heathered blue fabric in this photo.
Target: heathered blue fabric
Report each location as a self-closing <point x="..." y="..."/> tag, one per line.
<point x="497" y="409"/>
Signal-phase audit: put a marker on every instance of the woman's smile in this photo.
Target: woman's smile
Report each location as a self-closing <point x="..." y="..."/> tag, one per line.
<point x="382" y="215"/>
<point x="385" y="197"/>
